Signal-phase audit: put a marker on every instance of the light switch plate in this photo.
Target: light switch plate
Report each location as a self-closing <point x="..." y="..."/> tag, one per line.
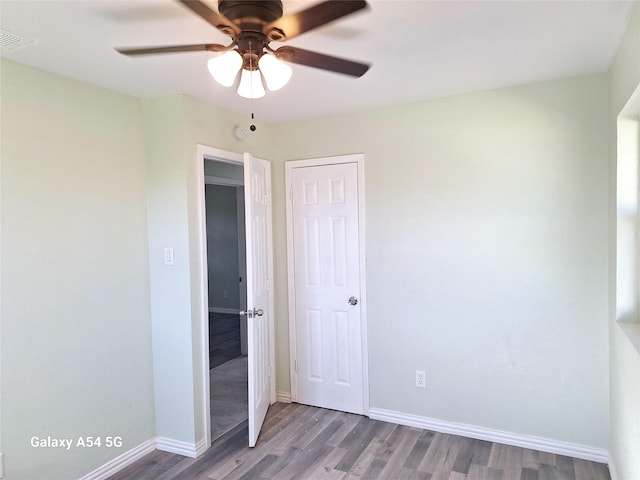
<point x="168" y="256"/>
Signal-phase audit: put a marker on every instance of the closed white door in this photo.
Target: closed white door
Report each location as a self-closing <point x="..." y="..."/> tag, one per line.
<point x="329" y="365"/>
<point x="259" y="265"/>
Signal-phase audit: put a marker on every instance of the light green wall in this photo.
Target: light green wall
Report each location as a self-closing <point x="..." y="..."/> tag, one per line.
<point x="76" y="344"/>
<point x="170" y="285"/>
<point x="486" y="254"/>
<point x="624" y="358"/>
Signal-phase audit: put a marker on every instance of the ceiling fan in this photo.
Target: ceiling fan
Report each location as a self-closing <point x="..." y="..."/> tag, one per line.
<point x="252" y="26"/>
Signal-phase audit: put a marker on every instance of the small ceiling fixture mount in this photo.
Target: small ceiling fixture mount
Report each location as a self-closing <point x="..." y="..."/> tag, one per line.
<point x="252" y="26"/>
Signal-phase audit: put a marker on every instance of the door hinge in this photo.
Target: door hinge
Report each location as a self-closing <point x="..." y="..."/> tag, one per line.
<point x="295" y="365"/>
<point x="291" y="194"/>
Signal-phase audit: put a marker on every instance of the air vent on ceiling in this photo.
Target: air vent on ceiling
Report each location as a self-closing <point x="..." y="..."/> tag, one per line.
<point x="9" y="40"/>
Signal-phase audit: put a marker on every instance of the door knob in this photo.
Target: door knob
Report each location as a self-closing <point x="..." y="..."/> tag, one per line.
<point x="256" y="312"/>
<point x="353" y="300"/>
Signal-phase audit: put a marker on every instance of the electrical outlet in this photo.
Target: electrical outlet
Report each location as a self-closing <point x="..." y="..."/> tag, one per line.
<point x="225" y="293"/>
<point x="421" y="379"/>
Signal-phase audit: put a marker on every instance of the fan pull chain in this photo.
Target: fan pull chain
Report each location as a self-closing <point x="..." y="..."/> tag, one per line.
<point x="252" y="127"/>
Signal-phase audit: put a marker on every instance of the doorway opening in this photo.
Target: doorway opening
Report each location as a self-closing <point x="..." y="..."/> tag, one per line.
<point x="226" y="273"/>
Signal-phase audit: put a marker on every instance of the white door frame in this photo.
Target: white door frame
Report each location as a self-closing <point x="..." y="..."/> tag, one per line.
<point x="358" y="159"/>
<point x="205" y="152"/>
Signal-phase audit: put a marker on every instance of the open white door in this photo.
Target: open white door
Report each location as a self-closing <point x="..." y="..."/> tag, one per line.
<point x="257" y="181"/>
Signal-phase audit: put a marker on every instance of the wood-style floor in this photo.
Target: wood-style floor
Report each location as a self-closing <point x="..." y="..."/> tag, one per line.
<point x="307" y="443"/>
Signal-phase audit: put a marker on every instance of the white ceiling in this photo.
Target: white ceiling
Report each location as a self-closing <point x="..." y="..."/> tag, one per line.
<point x="419" y="49"/>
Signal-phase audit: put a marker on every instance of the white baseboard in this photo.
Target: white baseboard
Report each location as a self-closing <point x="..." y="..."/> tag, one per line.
<point x="159" y="443"/>
<point x="121" y="461"/>
<point x="177" y="446"/>
<point x="507" y="438"/>
<point x="613" y="473"/>
<point x="232" y="311"/>
<point x="283" y="397"/>
<point x="201" y="447"/>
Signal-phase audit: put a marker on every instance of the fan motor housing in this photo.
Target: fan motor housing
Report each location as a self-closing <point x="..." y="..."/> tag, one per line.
<point x="251" y="11"/>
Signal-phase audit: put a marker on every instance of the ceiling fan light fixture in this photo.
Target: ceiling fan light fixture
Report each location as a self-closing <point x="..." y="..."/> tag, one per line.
<point x="252" y="26"/>
<point x="276" y="73"/>
<point x="224" y="69"/>
<point x="251" y="84"/>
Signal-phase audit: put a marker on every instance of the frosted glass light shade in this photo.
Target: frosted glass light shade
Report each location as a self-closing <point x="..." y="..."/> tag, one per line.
<point x="225" y="67"/>
<point x="251" y="84"/>
<point x="275" y="73"/>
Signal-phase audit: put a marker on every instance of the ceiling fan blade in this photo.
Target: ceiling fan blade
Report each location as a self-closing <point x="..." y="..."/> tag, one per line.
<point x="289" y="26"/>
<point x="322" y="61"/>
<point x="212" y="17"/>
<point x="203" y="47"/>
